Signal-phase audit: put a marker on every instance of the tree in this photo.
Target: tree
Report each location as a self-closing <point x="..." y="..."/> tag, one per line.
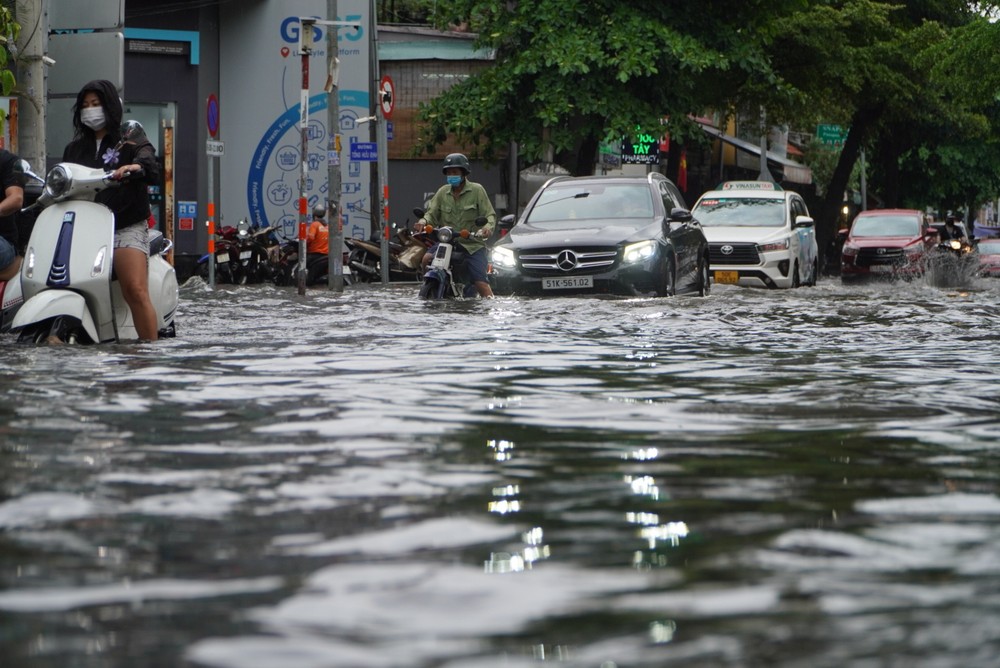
<point x="863" y="64"/>
<point x="9" y="31"/>
<point x="568" y="73"/>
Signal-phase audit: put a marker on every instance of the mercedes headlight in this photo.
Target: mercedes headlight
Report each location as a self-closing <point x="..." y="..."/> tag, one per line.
<point x="58" y="182"/>
<point x="639" y="251"/>
<point x="503" y="257"/>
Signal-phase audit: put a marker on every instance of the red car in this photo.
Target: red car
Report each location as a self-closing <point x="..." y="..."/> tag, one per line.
<point x="989" y="257"/>
<point x="886" y="243"/>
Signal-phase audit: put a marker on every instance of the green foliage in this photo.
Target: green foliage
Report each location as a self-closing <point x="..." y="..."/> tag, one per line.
<point x="568" y="71"/>
<point x="10" y="30"/>
<point x="916" y="81"/>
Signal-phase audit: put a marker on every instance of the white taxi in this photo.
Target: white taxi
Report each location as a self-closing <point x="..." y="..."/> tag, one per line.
<point x="759" y="235"/>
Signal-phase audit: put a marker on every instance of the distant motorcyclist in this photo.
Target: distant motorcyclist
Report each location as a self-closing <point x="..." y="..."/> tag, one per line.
<point x="951" y="230"/>
<point x="317" y="245"/>
<point x="457" y="204"/>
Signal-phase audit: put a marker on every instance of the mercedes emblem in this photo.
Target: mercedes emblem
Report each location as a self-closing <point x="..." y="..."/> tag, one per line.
<point x="566" y="260"/>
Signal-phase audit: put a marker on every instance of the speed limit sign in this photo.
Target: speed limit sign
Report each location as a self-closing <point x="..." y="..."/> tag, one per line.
<point x="387" y="96"/>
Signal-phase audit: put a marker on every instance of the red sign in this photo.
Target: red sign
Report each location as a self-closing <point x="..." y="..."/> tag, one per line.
<point x="212" y="115"/>
<point x="387" y="96"/>
<point x="185" y="223"/>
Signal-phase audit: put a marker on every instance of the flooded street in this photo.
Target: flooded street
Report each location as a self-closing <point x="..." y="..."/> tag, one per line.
<point x="760" y="478"/>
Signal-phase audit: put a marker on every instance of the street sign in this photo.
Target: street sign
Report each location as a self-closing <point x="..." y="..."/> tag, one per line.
<point x="387" y="96"/>
<point x="831" y="135"/>
<point x="215" y="148"/>
<point x="212" y="115"/>
<point x="364" y="151"/>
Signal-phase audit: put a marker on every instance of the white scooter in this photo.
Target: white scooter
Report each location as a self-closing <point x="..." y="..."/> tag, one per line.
<point x="66" y="275"/>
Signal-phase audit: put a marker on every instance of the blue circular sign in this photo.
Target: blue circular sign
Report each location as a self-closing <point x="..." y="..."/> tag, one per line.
<point x="212" y="115"/>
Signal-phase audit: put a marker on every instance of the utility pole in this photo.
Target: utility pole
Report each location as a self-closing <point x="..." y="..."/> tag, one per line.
<point x="335" y="269"/>
<point x="31" y="73"/>
<point x="305" y="50"/>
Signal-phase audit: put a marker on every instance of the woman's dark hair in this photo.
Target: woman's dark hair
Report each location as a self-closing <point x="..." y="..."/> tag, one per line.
<point x="112" y="104"/>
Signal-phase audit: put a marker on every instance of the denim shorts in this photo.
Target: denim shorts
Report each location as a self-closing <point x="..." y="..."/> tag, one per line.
<point x="7" y="253"/>
<point x="134" y="236"/>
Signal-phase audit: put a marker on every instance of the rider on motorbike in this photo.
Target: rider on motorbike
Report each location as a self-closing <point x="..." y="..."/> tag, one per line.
<point x="457" y="204"/>
<point x="951" y="230"/>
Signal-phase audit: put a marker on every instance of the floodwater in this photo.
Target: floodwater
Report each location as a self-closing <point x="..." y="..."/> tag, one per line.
<point x="761" y="478"/>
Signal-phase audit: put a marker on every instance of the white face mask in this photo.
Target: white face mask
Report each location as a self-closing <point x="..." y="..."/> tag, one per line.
<point x="92" y="117"/>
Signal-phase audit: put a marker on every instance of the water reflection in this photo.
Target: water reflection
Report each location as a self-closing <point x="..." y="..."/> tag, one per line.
<point x="758" y="478"/>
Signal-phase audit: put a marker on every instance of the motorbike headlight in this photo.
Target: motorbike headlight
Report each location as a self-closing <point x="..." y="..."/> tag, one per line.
<point x="57" y="182"/>
<point x="784" y="244"/>
<point x="503" y="257"/>
<point x="445" y="234"/>
<point x="956" y="244"/>
<point x="640" y="251"/>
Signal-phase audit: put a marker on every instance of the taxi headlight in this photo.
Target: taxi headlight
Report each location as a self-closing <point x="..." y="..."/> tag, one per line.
<point x="445" y="234"/>
<point x="640" y="251"/>
<point x="784" y="244"/>
<point x="58" y="181"/>
<point x="503" y="257"/>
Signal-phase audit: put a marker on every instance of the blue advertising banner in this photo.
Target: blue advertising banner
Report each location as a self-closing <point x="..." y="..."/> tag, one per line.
<point x="260" y="173"/>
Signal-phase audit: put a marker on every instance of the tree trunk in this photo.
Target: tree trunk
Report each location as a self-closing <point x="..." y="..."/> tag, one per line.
<point x="826" y="222"/>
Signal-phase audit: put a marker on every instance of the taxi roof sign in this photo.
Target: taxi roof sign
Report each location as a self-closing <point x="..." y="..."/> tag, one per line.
<point x="749" y="185"/>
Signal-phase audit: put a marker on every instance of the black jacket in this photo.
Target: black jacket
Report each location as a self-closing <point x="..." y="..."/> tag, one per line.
<point x="129" y="201"/>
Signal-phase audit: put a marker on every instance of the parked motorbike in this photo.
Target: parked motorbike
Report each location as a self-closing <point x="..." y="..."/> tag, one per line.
<point x="252" y="250"/>
<point x="69" y="290"/>
<point x="11" y="296"/>
<point x="446" y="277"/>
<point x="952" y="264"/>
<point x="406" y="250"/>
<point x="226" y="257"/>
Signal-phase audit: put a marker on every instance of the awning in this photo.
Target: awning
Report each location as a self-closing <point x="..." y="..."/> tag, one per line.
<point x="794" y="172"/>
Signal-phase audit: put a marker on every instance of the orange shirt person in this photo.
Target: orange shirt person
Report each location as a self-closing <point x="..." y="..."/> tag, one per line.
<point x="318" y="234"/>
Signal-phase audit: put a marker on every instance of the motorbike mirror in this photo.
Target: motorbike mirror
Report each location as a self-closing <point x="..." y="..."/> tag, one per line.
<point x="480" y="221"/>
<point x="418" y="212"/>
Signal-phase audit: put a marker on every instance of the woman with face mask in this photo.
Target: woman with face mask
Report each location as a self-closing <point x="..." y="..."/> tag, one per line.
<point x="97" y="119"/>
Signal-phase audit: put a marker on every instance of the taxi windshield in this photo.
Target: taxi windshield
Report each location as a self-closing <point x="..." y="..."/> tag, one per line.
<point x="741" y="212"/>
<point x="595" y="202"/>
<point x="886" y="226"/>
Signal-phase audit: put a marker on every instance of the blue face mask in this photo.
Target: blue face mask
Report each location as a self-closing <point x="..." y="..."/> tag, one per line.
<point x="453" y="180"/>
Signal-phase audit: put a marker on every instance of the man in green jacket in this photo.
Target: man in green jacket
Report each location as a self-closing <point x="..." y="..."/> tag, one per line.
<point x="457" y="204"/>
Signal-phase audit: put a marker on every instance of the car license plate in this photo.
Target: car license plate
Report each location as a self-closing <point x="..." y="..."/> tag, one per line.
<point x="881" y="268"/>
<point x="246" y="255"/>
<point x="727" y="277"/>
<point x="222" y="257"/>
<point x="568" y="282"/>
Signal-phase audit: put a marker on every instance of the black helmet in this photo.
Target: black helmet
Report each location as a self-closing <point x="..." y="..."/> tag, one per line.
<point x="457" y="160"/>
<point x="319" y="211"/>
